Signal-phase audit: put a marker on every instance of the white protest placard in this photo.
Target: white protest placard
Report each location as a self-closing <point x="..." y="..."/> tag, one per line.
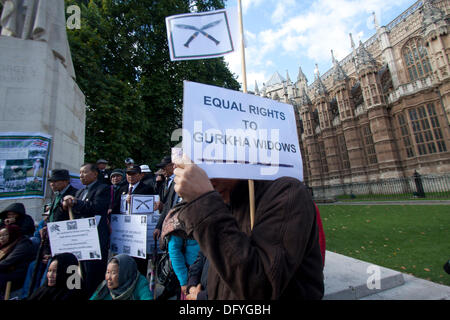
<point x="142" y="204"/>
<point x="202" y="35"/>
<point x="78" y="236"/>
<point x="231" y="134"/>
<point x="129" y="234"/>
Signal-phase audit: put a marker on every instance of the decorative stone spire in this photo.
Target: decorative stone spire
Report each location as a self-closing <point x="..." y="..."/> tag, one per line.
<point x="288" y="79"/>
<point x="363" y="57"/>
<point x="352" y="43"/>
<point x="256" y="88"/>
<point x="375" y="21"/>
<point x="301" y="76"/>
<point x="319" y="87"/>
<point x="304" y="99"/>
<point x="263" y="90"/>
<point x="338" y="73"/>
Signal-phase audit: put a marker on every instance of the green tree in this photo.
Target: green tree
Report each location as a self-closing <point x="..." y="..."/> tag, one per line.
<point x="133" y="91"/>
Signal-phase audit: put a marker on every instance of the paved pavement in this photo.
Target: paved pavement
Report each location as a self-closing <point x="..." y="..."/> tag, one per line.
<point x="347" y="278"/>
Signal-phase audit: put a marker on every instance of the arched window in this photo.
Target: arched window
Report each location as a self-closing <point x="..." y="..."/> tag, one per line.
<point x="416" y="59"/>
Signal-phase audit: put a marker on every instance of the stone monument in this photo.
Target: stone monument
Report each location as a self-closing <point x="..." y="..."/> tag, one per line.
<point x="38" y="92"/>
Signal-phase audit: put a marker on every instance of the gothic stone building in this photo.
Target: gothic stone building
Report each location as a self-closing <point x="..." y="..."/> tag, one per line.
<point x="383" y="111"/>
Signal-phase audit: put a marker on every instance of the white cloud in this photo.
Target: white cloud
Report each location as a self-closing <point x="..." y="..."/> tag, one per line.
<point x="247" y="4"/>
<point x="281" y="10"/>
<point x="309" y="33"/>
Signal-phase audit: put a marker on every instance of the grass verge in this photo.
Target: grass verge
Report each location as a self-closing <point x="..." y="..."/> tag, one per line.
<point x="406" y="238"/>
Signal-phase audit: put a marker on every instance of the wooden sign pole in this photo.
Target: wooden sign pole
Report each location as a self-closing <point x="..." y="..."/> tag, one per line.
<point x="8" y="290"/>
<point x="251" y="184"/>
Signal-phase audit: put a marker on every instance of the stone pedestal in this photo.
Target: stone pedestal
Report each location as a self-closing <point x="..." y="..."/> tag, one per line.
<point x="38" y="95"/>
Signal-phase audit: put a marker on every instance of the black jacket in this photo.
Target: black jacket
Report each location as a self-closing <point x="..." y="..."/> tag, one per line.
<point x="141" y="188"/>
<point x="24" y="221"/>
<point x="96" y="203"/>
<point x="58" y="214"/>
<point x="104" y="176"/>
<point x="198" y="273"/>
<point x="19" y="258"/>
<point x="169" y="199"/>
<point x="279" y="259"/>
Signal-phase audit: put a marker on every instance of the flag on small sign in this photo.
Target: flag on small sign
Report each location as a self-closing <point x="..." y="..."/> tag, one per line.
<point x="202" y="35"/>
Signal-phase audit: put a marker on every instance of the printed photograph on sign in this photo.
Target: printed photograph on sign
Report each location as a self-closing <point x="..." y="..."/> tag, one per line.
<point x="23" y="164"/>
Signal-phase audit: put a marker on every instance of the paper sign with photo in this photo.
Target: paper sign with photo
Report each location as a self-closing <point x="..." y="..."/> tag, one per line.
<point x="129" y="234"/>
<point x="79" y="237"/>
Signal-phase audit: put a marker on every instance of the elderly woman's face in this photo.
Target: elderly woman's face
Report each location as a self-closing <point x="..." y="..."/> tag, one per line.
<point x="115" y="179"/>
<point x="112" y="275"/>
<point x="51" y="273"/>
<point x="4" y="236"/>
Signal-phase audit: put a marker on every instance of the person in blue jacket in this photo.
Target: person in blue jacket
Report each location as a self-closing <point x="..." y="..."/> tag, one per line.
<point x="182" y="253"/>
<point x="123" y="281"/>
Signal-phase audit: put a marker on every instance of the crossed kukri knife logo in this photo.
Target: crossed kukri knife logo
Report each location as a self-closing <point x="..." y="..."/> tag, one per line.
<point x="201" y="30"/>
<point x="143" y="203"/>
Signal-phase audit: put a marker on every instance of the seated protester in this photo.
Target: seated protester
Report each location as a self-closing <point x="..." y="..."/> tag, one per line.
<point x="56" y="286"/>
<point x="182" y="253"/>
<point x="123" y="281"/>
<point x="15" y="214"/>
<point x="16" y="252"/>
<point x="37" y="269"/>
<point x="36" y="238"/>
<point x="197" y="280"/>
<point x="37" y="273"/>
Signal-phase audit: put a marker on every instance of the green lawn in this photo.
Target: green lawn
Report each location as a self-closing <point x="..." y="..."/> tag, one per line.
<point x="411" y="239"/>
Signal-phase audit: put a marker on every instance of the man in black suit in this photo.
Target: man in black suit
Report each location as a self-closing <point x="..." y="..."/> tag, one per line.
<point x="60" y="184"/>
<point x="103" y="173"/>
<point x="134" y="186"/>
<point x="169" y="198"/>
<point x="90" y="201"/>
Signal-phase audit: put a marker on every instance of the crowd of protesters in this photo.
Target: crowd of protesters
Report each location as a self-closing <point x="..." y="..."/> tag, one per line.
<point x="208" y="248"/>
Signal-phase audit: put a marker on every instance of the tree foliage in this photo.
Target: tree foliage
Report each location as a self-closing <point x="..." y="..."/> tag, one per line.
<point x="133" y="91"/>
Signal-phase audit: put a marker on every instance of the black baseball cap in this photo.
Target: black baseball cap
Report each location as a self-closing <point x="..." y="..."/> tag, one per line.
<point x="134" y="169"/>
<point x="164" y="162"/>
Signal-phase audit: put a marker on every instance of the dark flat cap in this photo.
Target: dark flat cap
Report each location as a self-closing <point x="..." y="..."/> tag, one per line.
<point x="164" y="162"/>
<point x="134" y="169"/>
<point x="59" y="175"/>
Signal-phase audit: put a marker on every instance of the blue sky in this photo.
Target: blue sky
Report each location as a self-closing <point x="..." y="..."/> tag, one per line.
<point x="282" y="35"/>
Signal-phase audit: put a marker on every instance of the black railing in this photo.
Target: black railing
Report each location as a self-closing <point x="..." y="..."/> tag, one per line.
<point x="430" y="187"/>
